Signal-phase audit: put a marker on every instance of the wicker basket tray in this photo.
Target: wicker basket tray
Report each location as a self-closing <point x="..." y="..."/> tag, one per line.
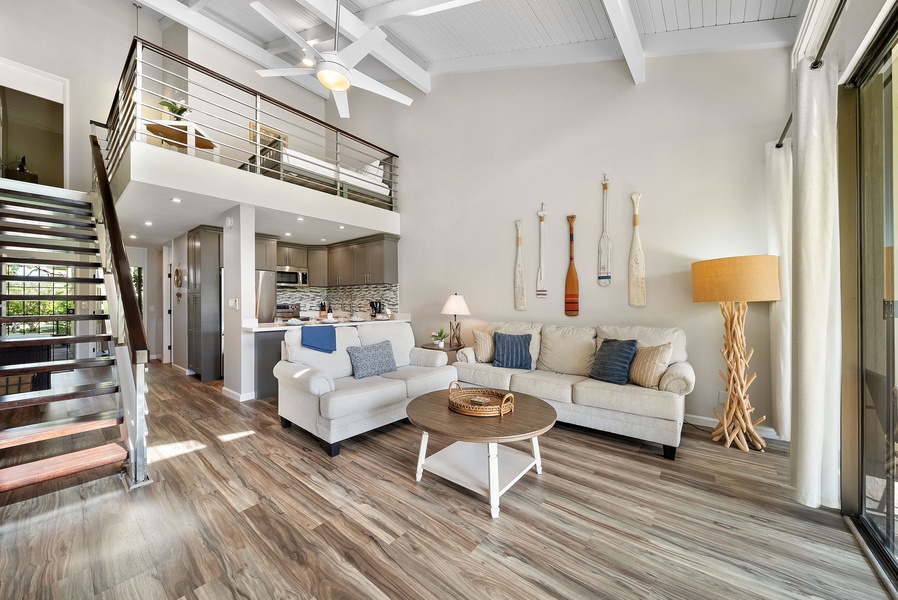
<point x="478" y="402"/>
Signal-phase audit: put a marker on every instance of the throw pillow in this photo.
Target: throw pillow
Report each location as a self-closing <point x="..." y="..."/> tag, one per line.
<point x="373" y="359"/>
<point x="483" y="346"/>
<point x="512" y="351"/>
<point x="649" y="364"/>
<point x="612" y="361"/>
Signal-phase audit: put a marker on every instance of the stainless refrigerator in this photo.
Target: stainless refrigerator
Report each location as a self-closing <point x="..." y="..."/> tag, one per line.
<point x="266" y="296"/>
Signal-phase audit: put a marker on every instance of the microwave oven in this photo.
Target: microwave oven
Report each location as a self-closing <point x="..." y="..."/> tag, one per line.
<point x="292" y="278"/>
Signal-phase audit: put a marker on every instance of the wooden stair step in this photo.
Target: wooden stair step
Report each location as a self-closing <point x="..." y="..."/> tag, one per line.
<point x="38" y="432"/>
<point x="26" y="297"/>
<point x="25" y="340"/>
<point x="34" y="196"/>
<point x="19" y="244"/>
<point x="59" y="394"/>
<point x="52" y="366"/>
<point x="58" y="466"/>
<point x="55" y="232"/>
<point x="73" y="221"/>
<point x="53" y="318"/>
<point x="63" y="210"/>
<point x="38" y="279"/>
<point x="50" y="262"/>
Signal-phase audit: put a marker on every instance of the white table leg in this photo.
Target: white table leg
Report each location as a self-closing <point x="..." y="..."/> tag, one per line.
<point x="494" y="478"/>
<point x="539" y="463"/>
<point x="421" y="454"/>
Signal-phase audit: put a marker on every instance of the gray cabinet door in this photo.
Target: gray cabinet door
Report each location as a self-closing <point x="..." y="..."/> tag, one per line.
<point x="339" y="266"/>
<point x="266" y="255"/>
<point x="318" y="267"/>
<point x="204" y="302"/>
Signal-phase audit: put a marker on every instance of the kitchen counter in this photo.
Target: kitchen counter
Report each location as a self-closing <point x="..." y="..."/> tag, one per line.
<point x="264" y="327"/>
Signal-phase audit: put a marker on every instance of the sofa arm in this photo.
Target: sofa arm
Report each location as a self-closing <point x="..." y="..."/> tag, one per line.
<point x="420" y="357"/>
<point x="679" y="379"/>
<point x="306" y="378"/>
<point x="465" y="355"/>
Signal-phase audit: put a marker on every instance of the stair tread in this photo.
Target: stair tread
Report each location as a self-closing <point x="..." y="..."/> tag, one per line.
<point x="39" y="279"/>
<point x="58" y="466"/>
<point x="57" y="394"/>
<point x="88" y="297"/>
<point x="72" y="220"/>
<point x="82" y="264"/>
<point x="22" y="244"/>
<point x="11" y="193"/>
<point x="11" y="341"/>
<point x="10" y="203"/>
<point x="7" y="228"/>
<point x="48" y="318"/>
<point x="27" y="434"/>
<point x="56" y="365"/>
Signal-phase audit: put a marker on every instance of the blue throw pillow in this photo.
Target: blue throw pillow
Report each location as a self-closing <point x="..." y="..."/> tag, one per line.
<point x="612" y="361"/>
<point x="512" y="351"/>
<point x="373" y="359"/>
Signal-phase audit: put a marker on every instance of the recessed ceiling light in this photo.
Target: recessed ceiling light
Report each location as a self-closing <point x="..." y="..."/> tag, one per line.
<point x="300" y="219"/>
<point x="323" y="239"/>
<point x="178" y="200"/>
<point x="288" y="234"/>
<point x="148" y="223"/>
<point x="132" y="236"/>
<point x="342" y="227"/>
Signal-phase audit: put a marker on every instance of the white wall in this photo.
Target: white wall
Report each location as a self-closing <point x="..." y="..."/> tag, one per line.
<point x="485" y="149"/>
<point x="84" y="42"/>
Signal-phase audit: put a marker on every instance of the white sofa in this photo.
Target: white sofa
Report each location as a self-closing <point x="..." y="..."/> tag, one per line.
<point x="561" y="362"/>
<point x="318" y="392"/>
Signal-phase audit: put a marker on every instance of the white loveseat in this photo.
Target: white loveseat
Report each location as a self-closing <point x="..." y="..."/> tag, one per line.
<point x="318" y="392"/>
<point x="561" y="361"/>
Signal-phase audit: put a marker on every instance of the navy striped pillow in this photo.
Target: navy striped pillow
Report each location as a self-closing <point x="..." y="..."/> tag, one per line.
<point x="512" y="351"/>
<point x="612" y="361"/>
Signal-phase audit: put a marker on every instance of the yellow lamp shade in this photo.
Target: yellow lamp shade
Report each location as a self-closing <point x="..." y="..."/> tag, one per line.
<point x="736" y="279"/>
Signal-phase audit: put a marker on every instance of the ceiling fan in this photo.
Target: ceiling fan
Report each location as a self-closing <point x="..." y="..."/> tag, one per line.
<point x="335" y="70"/>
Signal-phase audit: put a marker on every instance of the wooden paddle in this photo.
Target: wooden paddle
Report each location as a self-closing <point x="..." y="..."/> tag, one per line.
<point x="636" y="274"/>
<point x="571" y="282"/>
<point x="604" y="278"/>
<point x="541" y="290"/>
<point x="520" y="282"/>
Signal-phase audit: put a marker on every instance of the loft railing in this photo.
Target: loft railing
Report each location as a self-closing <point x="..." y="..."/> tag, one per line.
<point x="129" y="341"/>
<point x="230" y="123"/>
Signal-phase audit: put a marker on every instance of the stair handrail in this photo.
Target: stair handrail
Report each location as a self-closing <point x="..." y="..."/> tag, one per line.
<point x="137" y="339"/>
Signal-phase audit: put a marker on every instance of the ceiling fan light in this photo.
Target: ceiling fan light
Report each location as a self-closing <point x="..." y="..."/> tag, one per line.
<point x="333" y="80"/>
<point x="308" y="61"/>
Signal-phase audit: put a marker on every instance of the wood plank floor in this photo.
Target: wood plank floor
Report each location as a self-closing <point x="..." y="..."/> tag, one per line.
<point x="242" y="508"/>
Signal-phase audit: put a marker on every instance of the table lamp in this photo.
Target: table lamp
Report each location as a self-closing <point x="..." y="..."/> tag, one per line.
<point x="455" y="306"/>
<point x="734" y="282"/>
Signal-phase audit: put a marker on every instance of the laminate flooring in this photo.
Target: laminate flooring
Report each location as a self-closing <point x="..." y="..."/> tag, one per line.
<point x="241" y="508"/>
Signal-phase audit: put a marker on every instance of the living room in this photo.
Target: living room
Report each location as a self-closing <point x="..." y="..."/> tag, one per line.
<point x="479" y="151"/>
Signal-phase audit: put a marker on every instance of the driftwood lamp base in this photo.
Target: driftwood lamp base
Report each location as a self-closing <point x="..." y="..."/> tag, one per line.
<point x="737" y="423"/>
<point x="455" y="334"/>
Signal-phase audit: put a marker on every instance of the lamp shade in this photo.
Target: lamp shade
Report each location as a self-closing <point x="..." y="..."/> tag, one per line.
<point x="455" y="305"/>
<point x="736" y="279"/>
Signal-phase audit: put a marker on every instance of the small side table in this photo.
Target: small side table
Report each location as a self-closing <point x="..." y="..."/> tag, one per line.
<point x="447" y="348"/>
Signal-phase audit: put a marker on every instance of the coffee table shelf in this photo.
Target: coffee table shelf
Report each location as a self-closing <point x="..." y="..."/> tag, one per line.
<point x="467" y="464"/>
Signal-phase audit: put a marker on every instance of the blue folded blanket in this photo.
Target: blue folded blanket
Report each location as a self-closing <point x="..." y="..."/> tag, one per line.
<point x="322" y="338"/>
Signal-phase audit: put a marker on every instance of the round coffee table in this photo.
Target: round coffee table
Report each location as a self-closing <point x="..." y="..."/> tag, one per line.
<point x="464" y="462"/>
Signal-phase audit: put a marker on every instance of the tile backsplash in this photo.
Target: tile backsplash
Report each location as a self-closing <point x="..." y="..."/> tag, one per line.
<point x="350" y="298"/>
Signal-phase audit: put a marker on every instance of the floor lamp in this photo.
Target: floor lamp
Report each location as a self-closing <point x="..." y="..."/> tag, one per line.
<point x="734" y="282"/>
<point x="455" y="306"/>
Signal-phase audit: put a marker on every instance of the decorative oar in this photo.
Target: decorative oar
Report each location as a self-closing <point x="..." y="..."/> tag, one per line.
<point x="637" y="260"/>
<point x="541" y="291"/>
<point x="605" y="241"/>
<point x="520" y="284"/>
<point x="571" y="282"/>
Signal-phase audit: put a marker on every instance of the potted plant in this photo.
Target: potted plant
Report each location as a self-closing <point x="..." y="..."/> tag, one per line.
<point x="176" y="108"/>
<point x="438" y="337"/>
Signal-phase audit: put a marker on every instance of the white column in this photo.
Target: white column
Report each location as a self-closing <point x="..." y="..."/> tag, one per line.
<point x="238" y="291"/>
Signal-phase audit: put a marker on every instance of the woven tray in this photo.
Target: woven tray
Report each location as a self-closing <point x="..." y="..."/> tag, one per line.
<point x="479" y="402"/>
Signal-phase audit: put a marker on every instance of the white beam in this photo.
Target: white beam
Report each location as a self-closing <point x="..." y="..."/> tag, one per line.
<point x="593" y="51"/>
<point x="279" y="45"/>
<point x="353" y="28"/>
<point x="198" y="5"/>
<point x="621" y="18"/>
<point x="318" y="34"/>
<point x="398" y="10"/>
<point x="178" y="12"/>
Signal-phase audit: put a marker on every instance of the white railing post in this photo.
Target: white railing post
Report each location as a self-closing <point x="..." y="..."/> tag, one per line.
<point x="257" y="134"/>
<point x="137" y="96"/>
<point x="132" y="387"/>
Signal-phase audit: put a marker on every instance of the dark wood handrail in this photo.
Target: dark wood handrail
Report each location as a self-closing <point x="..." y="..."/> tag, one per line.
<point x="236" y="84"/>
<point x="137" y="338"/>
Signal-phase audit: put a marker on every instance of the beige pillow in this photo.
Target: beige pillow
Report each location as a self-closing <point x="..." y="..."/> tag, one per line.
<point x="649" y="365"/>
<point x="483" y="347"/>
<point x="565" y="349"/>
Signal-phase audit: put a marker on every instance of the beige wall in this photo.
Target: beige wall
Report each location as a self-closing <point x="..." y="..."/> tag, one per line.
<point x="485" y="149"/>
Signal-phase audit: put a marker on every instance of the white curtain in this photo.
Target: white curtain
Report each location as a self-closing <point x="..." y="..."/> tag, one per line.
<point x="816" y="325"/>
<point x="779" y="241"/>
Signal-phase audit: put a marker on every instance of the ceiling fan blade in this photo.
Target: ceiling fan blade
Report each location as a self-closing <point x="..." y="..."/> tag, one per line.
<point x="285" y="29"/>
<point x="342" y="100"/>
<point x="360" y="80"/>
<point x="362" y="47"/>
<point x="288" y="72"/>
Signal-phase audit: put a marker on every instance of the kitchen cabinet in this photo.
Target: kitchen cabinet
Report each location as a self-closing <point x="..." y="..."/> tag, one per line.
<point x="266" y="253"/>
<point x="296" y="257"/>
<point x="364" y="262"/>
<point x="318" y="267"/>
<point x="204" y="302"/>
<point x="339" y="266"/>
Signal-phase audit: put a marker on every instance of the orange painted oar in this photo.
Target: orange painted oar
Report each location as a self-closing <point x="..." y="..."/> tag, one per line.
<point x="571" y="282"/>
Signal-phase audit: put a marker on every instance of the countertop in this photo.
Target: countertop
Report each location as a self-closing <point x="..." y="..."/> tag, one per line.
<point x="263" y="327"/>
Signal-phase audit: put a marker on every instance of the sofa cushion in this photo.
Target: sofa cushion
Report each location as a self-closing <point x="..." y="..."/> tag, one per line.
<point x="612" y="361"/>
<point x="486" y="375"/>
<point x="519" y="328"/>
<point x="421" y="380"/>
<point x="399" y="334"/>
<point x="630" y="399"/>
<point x="545" y="384"/>
<point x="649" y="364"/>
<point x="337" y="364"/>
<point x="650" y="336"/>
<point x="353" y="396"/>
<point x="372" y="359"/>
<point x="483" y="346"/>
<point x="567" y="349"/>
<point x="512" y="351"/>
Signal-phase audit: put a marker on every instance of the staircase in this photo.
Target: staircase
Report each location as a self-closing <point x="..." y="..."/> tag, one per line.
<point x="52" y="261"/>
